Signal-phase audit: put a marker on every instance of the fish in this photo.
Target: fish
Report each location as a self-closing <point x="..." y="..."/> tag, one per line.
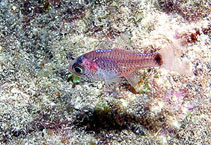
<point x="110" y="65"/>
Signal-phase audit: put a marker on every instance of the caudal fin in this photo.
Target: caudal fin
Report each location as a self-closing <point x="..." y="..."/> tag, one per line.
<point x="171" y="60"/>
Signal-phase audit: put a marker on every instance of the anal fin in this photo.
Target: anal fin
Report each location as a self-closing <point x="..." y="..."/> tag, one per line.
<point x="134" y="79"/>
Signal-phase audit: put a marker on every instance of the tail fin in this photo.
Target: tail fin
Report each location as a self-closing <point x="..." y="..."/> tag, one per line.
<point x="171" y="61"/>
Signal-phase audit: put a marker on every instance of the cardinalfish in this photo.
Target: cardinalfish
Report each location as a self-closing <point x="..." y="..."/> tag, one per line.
<point x="109" y="65"/>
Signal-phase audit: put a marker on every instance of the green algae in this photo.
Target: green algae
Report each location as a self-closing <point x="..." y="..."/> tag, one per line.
<point x="74" y="78"/>
<point x="103" y="108"/>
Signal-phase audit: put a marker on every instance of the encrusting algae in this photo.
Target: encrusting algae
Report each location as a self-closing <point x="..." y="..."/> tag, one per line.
<point x="40" y="105"/>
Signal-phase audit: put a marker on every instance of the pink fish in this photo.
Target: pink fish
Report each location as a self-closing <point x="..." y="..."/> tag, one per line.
<point x="110" y="65"/>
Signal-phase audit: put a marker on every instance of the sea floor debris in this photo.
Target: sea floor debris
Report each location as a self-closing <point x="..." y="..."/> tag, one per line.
<point x="39" y="104"/>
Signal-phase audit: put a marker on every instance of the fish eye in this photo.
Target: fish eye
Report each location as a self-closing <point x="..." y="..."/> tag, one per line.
<point x="78" y="69"/>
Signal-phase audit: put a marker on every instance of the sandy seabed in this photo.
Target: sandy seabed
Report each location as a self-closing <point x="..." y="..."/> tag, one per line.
<point x="40" y="103"/>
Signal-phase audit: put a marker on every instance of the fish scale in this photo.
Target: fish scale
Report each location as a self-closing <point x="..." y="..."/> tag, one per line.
<point x="126" y="61"/>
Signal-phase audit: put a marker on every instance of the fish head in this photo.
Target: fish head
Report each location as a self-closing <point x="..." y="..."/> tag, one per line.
<point x="83" y="67"/>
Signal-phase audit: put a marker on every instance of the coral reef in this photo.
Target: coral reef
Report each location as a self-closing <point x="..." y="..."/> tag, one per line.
<point x="42" y="103"/>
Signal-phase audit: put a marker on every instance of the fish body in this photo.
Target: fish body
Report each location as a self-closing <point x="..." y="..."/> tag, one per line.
<point x="111" y="64"/>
